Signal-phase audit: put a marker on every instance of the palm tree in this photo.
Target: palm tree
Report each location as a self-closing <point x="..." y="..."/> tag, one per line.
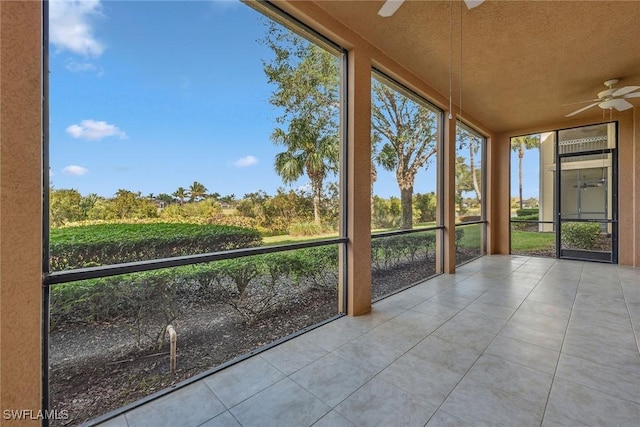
<point x="180" y="194"/>
<point x="197" y="191"/>
<point x="520" y="144"/>
<point x="307" y="81"/>
<point x="315" y="157"/>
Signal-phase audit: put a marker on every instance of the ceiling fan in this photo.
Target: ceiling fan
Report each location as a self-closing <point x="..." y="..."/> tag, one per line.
<point x="611" y="98"/>
<point x="583" y="185"/>
<point x="390" y="6"/>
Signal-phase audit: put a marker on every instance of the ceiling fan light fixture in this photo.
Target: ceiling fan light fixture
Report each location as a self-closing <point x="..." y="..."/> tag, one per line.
<point x="606" y="93"/>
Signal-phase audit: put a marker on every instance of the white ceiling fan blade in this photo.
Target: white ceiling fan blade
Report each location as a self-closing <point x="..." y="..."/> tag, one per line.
<point x="625" y="90"/>
<point x="473" y="3"/>
<point x="582" y="109"/>
<point x="580" y="102"/>
<point x="389" y="8"/>
<point x="632" y="95"/>
<point x="619" y="104"/>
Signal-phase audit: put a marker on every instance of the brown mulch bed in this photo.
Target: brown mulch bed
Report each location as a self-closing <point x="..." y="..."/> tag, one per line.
<point x="91" y="377"/>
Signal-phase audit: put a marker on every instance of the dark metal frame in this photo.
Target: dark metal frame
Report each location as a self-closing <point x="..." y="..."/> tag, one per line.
<point x="66" y="276"/>
<point x="60" y="277"/>
<point x="582" y="254"/>
<point x="483" y="186"/>
<point x="414" y="96"/>
<point x="393" y="233"/>
<point x="402" y="232"/>
<point x="45" y="208"/>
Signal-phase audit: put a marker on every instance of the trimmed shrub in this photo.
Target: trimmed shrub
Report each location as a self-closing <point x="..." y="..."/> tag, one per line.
<point x="580" y="235"/>
<point x="525" y="226"/>
<point x="528" y="212"/>
<point x="149" y="301"/>
<point x="393" y="251"/>
<point x="77" y="247"/>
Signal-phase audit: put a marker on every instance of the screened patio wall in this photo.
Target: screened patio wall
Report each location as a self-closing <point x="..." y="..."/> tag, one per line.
<point x="21" y="183"/>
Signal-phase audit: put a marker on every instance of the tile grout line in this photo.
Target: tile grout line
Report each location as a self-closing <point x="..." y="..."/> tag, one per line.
<point x="555" y="371"/>
<point x="487" y="346"/>
<point x="413" y="346"/>
<point x="636" y="333"/>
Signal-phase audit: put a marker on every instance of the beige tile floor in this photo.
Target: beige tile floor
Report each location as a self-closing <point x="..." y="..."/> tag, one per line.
<point x="506" y="341"/>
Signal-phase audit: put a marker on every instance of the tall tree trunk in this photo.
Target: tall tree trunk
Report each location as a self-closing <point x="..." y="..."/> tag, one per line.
<point x="317" y="198"/>
<point x="406" y="201"/>
<point x="520" y="156"/>
<point x="472" y="166"/>
<point x="316" y="211"/>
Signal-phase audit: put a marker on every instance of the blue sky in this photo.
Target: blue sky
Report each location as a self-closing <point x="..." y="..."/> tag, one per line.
<point x="150" y="96"/>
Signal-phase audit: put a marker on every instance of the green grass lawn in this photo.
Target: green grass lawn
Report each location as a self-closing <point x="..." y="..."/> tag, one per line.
<point x="284" y="239"/>
<point x="471" y="237"/>
<point x="523" y="241"/>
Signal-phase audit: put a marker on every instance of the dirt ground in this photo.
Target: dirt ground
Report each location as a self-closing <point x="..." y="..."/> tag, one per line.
<point x="96" y="368"/>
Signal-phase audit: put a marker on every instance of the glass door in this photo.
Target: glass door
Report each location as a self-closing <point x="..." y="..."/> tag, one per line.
<point x="586" y="194"/>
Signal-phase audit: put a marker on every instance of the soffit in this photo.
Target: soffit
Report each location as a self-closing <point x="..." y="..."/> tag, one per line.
<point x="521" y="60"/>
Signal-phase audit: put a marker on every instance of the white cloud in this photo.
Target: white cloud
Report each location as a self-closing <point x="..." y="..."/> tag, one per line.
<point x="75" y="170"/>
<point x="70" y="26"/>
<point x="82" y="67"/>
<point x="94" y="130"/>
<point x="244" y="162"/>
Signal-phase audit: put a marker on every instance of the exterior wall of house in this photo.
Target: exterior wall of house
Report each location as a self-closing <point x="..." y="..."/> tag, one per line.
<point x="547" y="171"/>
<point x="20" y="208"/>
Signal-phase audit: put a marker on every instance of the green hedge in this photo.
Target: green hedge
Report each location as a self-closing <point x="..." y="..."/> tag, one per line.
<point x="83" y="246"/>
<point x="528" y="212"/>
<point x="580" y="235"/>
<point x="156" y="293"/>
<point x="525" y="226"/>
<point x="392" y="251"/>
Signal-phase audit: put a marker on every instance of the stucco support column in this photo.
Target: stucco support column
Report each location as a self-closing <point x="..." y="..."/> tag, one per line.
<point x="499" y="198"/>
<point x="628" y="191"/>
<point x="449" y="199"/>
<point x="20" y="208"/>
<point x="359" y="183"/>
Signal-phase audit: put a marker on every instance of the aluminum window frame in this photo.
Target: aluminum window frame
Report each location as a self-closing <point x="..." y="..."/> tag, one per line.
<point x="483" y="188"/>
<point x="440" y="118"/>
